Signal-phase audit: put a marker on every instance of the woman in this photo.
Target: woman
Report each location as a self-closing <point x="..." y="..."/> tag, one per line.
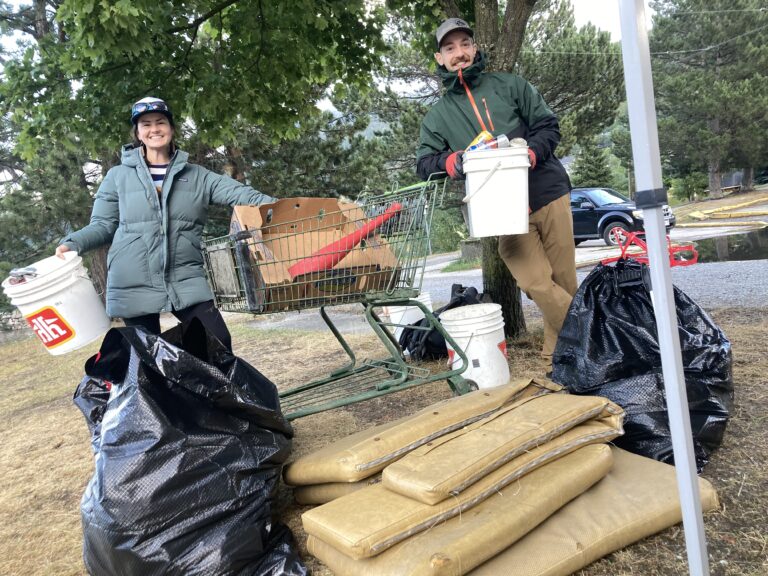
<point x="153" y="208"/>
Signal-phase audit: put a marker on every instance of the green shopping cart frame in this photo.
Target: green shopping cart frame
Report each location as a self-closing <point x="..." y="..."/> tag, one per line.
<point x="372" y="252"/>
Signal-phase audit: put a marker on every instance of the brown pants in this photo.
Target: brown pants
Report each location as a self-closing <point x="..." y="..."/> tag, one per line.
<point x="543" y="262"/>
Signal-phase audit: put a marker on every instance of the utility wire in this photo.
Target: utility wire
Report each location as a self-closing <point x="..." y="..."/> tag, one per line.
<point x="713" y="46"/>
<point x="718" y="11"/>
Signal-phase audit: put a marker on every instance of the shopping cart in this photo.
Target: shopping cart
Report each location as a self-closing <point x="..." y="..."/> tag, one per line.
<point x="309" y="253"/>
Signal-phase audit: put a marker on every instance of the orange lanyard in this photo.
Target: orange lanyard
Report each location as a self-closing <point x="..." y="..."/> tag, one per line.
<point x="474" y="105"/>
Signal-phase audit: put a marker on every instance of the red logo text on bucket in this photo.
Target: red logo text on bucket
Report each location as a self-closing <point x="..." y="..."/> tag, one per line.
<point x="51" y="328"/>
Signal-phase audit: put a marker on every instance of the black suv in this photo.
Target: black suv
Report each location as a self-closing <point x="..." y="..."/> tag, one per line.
<point x="604" y="213"/>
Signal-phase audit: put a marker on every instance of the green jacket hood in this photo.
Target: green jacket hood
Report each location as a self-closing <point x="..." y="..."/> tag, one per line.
<point x="470" y="74"/>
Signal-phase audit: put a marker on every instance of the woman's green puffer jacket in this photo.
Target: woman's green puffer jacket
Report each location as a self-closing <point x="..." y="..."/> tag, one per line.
<point x="155" y="263"/>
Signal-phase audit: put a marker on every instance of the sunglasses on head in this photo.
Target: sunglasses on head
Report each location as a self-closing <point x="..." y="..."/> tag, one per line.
<point x="141" y="107"/>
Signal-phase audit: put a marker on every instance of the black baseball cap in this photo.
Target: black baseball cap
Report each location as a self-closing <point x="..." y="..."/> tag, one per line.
<point x="451" y="25"/>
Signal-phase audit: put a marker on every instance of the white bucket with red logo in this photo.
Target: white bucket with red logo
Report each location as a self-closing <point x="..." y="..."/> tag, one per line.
<point x="60" y="304"/>
<point x="478" y="330"/>
<point x="497" y="190"/>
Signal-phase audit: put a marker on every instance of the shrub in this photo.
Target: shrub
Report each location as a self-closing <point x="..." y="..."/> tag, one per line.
<point x="688" y="186"/>
<point x="448" y="229"/>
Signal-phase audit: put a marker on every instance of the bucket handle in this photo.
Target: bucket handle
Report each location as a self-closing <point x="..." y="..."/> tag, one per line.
<point x="469" y="197"/>
<point x="472" y="335"/>
<point x="83" y="275"/>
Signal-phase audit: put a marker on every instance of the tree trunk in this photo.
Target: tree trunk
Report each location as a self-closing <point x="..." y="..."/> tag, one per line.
<point x="42" y="26"/>
<point x="499" y="284"/>
<point x="715" y="179"/>
<point x="502" y="44"/>
<point x="234" y="166"/>
<point x="96" y="261"/>
<point x="747" y="179"/>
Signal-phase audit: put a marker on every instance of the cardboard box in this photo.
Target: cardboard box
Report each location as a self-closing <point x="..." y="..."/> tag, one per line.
<point x="276" y="237"/>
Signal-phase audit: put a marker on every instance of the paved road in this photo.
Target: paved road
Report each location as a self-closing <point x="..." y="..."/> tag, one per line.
<point x="712" y="285"/>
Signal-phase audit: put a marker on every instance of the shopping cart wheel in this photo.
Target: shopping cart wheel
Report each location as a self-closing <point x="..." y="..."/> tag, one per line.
<point x="468" y="385"/>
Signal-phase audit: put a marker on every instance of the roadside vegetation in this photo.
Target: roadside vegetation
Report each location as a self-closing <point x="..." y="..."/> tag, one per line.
<point x="461" y="264"/>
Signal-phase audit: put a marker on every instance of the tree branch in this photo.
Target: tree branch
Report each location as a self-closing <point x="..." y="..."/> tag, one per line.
<point x="451" y="9"/>
<point x="197" y="21"/>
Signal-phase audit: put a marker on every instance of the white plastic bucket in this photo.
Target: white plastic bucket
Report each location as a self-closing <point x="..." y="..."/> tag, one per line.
<point x="478" y="330"/>
<point x="60" y="304"/>
<point x="497" y="191"/>
<point x="405" y="315"/>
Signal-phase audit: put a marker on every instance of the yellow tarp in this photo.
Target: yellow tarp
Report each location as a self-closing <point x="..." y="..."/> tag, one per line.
<point x="314" y="494"/>
<point x="369" y="521"/>
<point x="364" y="454"/>
<point x="638" y="498"/>
<point x="450" y="464"/>
<point x="457" y="545"/>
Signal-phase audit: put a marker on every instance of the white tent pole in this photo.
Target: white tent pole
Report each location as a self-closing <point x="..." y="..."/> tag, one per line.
<point x="651" y="196"/>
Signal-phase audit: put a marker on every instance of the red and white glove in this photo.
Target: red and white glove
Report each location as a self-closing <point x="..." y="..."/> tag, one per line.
<point x="454" y="165"/>
<point x="532" y="158"/>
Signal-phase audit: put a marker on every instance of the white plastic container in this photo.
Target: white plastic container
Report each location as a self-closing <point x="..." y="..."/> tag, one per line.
<point x="405" y="315"/>
<point x="478" y="330"/>
<point x="497" y="190"/>
<point x="60" y="304"/>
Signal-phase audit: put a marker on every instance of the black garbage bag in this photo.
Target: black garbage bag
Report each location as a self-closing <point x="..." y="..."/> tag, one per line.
<point x="609" y="347"/>
<point x="430" y="344"/>
<point x="189" y="443"/>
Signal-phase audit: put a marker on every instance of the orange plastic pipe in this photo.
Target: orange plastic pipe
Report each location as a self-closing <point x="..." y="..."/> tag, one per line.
<point x="330" y="255"/>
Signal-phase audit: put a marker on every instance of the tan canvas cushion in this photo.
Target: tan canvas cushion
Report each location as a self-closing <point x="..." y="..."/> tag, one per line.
<point x="637" y="499"/>
<point x="364" y="454"/>
<point x="321" y="493"/>
<point x="448" y="465"/>
<point x="463" y="542"/>
<point x="369" y="521"/>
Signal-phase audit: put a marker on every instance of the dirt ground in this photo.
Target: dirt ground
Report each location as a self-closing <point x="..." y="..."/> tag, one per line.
<point x="46" y="459"/>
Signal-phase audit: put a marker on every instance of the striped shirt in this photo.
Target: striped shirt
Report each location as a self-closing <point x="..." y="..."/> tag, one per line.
<point x="158" y="174"/>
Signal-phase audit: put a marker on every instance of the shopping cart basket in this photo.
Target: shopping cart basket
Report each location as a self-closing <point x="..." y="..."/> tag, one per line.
<point x="308" y="253"/>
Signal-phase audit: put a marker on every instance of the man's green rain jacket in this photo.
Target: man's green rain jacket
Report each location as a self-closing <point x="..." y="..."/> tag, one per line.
<point x="507" y="104"/>
<point x="155" y="263"/>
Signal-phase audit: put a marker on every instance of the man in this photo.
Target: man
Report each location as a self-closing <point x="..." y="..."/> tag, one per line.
<point x="543" y="260"/>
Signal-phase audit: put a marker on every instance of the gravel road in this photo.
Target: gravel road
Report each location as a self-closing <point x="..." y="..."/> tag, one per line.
<point x="713" y="285"/>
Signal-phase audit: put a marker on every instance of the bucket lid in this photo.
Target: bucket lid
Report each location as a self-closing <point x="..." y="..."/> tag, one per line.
<point x="508" y="152"/>
<point x="476" y="329"/>
<point x="471" y="312"/>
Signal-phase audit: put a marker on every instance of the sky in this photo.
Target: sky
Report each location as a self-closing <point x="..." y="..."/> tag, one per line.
<point x="604" y="14"/>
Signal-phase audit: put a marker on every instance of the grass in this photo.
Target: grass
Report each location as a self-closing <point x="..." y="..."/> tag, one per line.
<point x="46" y="458"/>
<point x="461" y="264"/>
<point x="683" y="211"/>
